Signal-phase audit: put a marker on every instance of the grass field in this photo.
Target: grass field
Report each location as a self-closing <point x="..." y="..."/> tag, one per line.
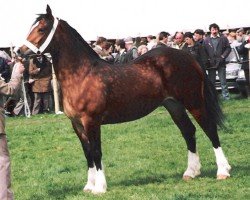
<point x="144" y="159"/>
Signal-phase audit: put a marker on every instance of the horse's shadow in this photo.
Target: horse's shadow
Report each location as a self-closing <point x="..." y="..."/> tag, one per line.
<point x="136" y="179"/>
<point x="59" y="192"/>
<point x="140" y="179"/>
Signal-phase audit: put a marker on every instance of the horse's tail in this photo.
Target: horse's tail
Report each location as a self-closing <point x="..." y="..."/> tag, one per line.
<point x="212" y="104"/>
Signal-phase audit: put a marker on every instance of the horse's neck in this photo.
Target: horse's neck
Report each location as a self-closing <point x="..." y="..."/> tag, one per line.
<point x="70" y="52"/>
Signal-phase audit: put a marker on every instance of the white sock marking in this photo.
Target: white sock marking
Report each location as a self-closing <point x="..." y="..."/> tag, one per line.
<point x="222" y="163"/>
<point x="100" y="182"/>
<point x="91" y="179"/>
<point x="194" y="165"/>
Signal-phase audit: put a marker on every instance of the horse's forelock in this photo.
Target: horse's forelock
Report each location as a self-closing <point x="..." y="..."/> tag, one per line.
<point x="42" y="16"/>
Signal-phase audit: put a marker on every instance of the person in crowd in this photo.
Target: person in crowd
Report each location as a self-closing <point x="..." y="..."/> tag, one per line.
<point x="9" y="88"/>
<point x="4" y="69"/>
<point x="162" y="39"/>
<point x="217" y="48"/>
<point x="108" y="50"/>
<point x="99" y="45"/>
<point x="199" y="35"/>
<point x="40" y="71"/>
<point x="243" y="50"/>
<point x="131" y="50"/>
<point x="121" y="52"/>
<point x="151" y="42"/>
<point x="6" y="56"/>
<point x="142" y="49"/>
<point x="196" y="50"/>
<point x="137" y="42"/>
<point x="20" y="105"/>
<point x="232" y="57"/>
<point x="178" y="40"/>
<point x="225" y="33"/>
<point x="232" y="36"/>
<point x="240" y="35"/>
<point x="144" y="41"/>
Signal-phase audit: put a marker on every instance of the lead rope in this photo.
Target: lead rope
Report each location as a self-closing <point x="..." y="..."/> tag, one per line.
<point x="26" y="105"/>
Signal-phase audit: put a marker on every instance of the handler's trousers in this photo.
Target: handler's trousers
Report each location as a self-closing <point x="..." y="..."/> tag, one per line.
<point x="5" y="181"/>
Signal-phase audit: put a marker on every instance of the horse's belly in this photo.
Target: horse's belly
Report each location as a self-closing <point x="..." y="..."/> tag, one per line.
<point x="129" y="112"/>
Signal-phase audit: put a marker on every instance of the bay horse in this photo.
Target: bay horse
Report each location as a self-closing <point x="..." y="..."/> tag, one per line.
<point x="95" y="92"/>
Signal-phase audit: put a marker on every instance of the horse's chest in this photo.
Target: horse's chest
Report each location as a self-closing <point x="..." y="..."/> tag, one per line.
<point x="69" y="109"/>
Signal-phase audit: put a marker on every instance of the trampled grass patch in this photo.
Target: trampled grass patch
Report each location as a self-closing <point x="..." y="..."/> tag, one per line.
<point x="143" y="159"/>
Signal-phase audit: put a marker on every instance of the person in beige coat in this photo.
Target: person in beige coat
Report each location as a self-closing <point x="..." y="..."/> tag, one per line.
<point x="40" y="71"/>
<point x="9" y="88"/>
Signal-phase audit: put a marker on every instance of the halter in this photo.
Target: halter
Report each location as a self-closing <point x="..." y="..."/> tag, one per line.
<point x="46" y="42"/>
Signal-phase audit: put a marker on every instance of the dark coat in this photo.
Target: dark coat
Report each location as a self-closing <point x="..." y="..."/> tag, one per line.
<point x="198" y="52"/>
<point x="120" y="58"/>
<point x="217" y="59"/>
<point x="4" y="69"/>
<point x="131" y="54"/>
<point x="243" y="52"/>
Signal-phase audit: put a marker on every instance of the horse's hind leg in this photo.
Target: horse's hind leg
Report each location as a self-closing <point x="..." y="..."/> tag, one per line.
<point x="181" y="119"/>
<point x="210" y="129"/>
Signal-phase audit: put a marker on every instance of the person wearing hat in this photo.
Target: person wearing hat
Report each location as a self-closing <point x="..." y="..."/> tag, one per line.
<point x="7" y="89"/>
<point x="196" y="50"/>
<point x="132" y="52"/>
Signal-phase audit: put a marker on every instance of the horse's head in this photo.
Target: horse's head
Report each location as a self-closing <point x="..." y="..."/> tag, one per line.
<point x="40" y="35"/>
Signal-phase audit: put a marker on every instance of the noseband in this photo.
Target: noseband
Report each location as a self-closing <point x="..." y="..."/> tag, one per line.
<point x="46" y="42"/>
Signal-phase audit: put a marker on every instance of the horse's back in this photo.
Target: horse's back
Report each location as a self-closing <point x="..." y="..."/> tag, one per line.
<point x="140" y="86"/>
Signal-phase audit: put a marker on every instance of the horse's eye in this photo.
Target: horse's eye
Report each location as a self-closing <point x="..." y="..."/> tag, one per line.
<point x="41" y="30"/>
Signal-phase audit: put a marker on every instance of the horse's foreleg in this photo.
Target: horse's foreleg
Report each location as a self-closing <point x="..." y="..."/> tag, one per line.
<point x="94" y="135"/>
<point x="79" y="129"/>
<point x="181" y="119"/>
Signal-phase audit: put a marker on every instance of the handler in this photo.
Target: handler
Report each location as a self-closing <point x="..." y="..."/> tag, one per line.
<point x="9" y="88"/>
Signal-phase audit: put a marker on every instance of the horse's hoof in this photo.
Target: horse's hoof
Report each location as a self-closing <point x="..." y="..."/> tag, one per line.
<point x="98" y="192"/>
<point x="222" y="177"/>
<point x="88" y="188"/>
<point x="187" y="178"/>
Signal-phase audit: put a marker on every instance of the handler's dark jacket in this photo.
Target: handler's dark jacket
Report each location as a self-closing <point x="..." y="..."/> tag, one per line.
<point x="216" y="57"/>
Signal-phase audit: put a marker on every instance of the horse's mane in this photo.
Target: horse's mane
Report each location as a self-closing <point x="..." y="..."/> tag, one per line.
<point x="89" y="51"/>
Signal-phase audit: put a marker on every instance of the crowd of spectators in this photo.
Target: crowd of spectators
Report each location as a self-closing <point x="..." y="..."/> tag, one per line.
<point x="211" y="50"/>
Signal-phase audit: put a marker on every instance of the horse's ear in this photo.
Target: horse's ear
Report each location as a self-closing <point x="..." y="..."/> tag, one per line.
<point x="48" y="10"/>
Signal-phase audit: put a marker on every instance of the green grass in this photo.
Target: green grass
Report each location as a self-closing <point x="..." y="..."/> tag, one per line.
<point x="144" y="159"/>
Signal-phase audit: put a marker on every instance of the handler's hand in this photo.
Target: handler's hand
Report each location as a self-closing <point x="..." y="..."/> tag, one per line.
<point x="18" y="70"/>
